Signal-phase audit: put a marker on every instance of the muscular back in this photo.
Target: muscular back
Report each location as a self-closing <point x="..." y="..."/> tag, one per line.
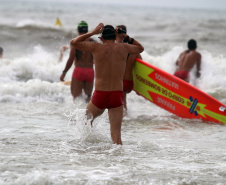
<point x="188" y="59"/>
<point x="110" y="63"/>
<point x="84" y="59"/>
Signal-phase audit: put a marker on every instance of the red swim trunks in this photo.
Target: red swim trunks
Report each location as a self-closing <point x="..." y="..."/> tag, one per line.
<point x="127" y="86"/>
<point x="83" y="74"/>
<point x="107" y="99"/>
<point x="184" y="75"/>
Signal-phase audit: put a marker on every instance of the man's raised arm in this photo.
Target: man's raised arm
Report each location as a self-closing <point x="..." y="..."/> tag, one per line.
<point x="80" y="43"/>
<point x="133" y="50"/>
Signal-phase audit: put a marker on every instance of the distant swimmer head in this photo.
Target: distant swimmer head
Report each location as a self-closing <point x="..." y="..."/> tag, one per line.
<point x="108" y="33"/>
<point x="192" y="44"/>
<point x="82" y="27"/>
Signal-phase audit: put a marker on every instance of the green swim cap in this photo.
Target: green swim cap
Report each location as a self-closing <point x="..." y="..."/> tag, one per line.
<point x="83" y="27"/>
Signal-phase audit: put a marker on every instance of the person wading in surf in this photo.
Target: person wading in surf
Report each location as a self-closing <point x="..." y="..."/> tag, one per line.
<point x="131" y="59"/>
<point x="187" y="60"/>
<point x="83" y="74"/>
<point x="110" y="63"/>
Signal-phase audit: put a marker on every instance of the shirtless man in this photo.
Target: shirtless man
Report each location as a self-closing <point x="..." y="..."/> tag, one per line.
<point x="128" y="75"/>
<point x="83" y="74"/>
<point x="110" y="63"/>
<point x="187" y="60"/>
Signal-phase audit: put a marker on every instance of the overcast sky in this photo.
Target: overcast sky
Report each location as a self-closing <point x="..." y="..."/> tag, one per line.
<point x="209" y="4"/>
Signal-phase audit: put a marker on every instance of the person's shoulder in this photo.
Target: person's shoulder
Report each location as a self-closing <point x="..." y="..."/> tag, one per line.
<point x="72" y="47"/>
<point x="183" y="53"/>
<point x="121" y="46"/>
<point x="197" y="53"/>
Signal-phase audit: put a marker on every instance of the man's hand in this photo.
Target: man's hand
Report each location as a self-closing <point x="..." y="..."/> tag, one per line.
<point x="198" y="74"/>
<point x="124" y="35"/>
<point x="99" y="29"/>
<point x="62" y="77"/>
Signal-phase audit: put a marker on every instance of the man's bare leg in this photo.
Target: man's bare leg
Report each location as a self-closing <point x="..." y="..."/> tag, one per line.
<point x="76" y="87"/>
<point x="115" y="117"/>
<point x="92" y="112"/>
<point x="88" y="88"/>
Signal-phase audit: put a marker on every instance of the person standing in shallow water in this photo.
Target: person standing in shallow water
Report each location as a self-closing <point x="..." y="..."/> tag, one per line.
<point x="110" y="63"/>
<point x="187" y="60"/>
<point x="83" y="74"/>
<point x="131" y="59"/>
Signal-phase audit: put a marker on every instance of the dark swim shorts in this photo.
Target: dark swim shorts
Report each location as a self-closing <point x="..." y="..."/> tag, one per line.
<point x="184" y="75"/>
<point x="107" y="99"/>
<point x="83" y="74"/>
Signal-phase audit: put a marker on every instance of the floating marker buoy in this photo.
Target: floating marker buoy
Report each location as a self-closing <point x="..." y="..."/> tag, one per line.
<point x="58" y="22"/>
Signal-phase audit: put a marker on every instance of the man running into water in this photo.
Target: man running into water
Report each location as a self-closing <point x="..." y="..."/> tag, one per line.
<point x="83" y="74"/>
<point x="131" y="59"/>
<point x="187" y="60"/>
<point x="110" y="63"/>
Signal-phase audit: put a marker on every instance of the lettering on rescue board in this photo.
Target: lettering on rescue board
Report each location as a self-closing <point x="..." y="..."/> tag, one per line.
<point x="161" y="89"/>
<point x="174" y="95"/>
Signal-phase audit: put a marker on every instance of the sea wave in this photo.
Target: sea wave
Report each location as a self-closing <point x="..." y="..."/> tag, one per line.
<point x="32" y="91"/>
<point x="39" y="64"/>
<point x="20" y="41"/>
<point x="25" y="30"/>
<point x="41" y="67"/>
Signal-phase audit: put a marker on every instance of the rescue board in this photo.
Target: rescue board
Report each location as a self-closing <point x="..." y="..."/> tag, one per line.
<point x="66" y="82"/>
<point x="175" y="95"/>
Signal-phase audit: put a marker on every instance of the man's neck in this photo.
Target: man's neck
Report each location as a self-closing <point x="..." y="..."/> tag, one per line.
<point x="109" y="41"/>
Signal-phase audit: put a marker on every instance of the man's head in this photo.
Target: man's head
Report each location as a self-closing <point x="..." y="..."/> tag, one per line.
<point x="1" y="52"/>
<point x="192" y="44"/>
<point x="108" y="33"/>
<point x="122" y="27"/>
<point x="82" y="27"/>
<point x="119" y="37"/>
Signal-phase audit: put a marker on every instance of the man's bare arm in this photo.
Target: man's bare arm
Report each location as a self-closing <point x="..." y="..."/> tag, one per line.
<point x="198" y="66"/>
<point x="139" y="56"/>
<point x="136" y="46"/>
<point x="177" y="62"/>
<point x="69" y="63"/>
<point x="80" y="43"/>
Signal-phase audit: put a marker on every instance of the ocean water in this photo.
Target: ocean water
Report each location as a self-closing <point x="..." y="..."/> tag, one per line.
<point x="43" y="138"/>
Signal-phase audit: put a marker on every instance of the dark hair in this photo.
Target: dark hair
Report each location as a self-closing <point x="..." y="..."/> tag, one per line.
<point x="82" y="27"/>
<point x="109" y="33"/>
<point x="192" y="44"/>
<point x="123" y="27"/>
<point x="1" y="50"/>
